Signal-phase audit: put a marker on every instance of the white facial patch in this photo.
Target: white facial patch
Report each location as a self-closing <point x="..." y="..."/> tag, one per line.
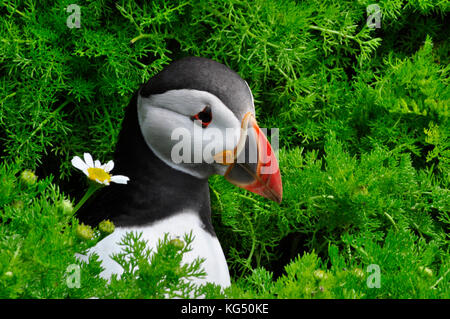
<point x="168" y="128"/>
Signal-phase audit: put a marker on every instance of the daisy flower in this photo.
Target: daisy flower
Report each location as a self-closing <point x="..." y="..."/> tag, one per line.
<point x="97" y="172"/>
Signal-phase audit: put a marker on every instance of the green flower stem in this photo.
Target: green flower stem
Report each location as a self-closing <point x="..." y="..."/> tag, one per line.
<point x="93" y="187"/>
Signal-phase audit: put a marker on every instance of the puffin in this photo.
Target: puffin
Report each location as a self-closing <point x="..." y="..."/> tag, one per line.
<point x="193" y="119"/>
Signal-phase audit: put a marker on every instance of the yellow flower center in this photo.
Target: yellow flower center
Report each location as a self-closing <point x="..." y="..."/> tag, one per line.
<point x="98" y="174"/>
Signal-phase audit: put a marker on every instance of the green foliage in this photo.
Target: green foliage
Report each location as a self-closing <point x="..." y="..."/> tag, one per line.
<point x="39" y="240"/>
<point x="37" y="237"/>
<point x="403" y="268"/>
<point x="160" y="274"/>
<point x="329" y="198"/>
<point x="364" y="135"/>
<point x="416" y="86"/>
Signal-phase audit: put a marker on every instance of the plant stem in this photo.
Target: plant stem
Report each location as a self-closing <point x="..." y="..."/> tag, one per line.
<point x="41" y="125"/>
<point x="141" y="36"/>
<point x="91" y="190"/>
<point x="391" y="220"/>
<point x="439" y="280"/>
<point x="334" y="32"/>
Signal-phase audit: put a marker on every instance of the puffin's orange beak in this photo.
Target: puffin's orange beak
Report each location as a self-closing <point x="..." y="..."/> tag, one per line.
<point x="253" y="165"/>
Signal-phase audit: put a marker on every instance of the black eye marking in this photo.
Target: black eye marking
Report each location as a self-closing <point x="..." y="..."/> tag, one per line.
<point x="205" y="116"/>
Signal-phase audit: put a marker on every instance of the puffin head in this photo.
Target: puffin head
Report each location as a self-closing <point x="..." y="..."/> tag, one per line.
<point x="198" y="117"/>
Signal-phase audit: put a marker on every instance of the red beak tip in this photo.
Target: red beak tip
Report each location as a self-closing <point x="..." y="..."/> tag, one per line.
<point x="273" y="190"/>
<point x="279" y="200"/>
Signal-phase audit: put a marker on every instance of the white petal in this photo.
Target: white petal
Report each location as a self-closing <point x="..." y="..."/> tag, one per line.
<point x="88" y="159"/>
<point x="103" y="183"/>
<point x="97" y="164"/>
<point x="77" y="162"/>
<point x="109" y="166"/>
<point x="119" y="179"/>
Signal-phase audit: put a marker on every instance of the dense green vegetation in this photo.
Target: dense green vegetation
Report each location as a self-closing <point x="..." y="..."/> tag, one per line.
<point x="363" y="131"/>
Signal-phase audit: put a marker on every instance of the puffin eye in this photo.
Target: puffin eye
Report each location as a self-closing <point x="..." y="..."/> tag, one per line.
<point x="204" y="116"/>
